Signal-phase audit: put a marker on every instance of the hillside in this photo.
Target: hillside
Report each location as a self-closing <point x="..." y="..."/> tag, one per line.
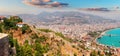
<point x="26" y="40"/>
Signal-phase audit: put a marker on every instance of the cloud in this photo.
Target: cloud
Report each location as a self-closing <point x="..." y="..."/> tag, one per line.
<point x="45" y="3"/>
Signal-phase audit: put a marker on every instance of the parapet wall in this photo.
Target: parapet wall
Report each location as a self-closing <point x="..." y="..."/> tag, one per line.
<point x="4" y="45"/>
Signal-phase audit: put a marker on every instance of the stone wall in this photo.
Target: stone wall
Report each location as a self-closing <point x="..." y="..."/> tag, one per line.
<point x="4" y="46"/>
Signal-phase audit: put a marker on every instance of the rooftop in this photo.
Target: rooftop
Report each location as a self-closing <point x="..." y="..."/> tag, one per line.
<point x="2" y="17"/>
<point x="2" y="35"/>
<point x="20" y="23"/>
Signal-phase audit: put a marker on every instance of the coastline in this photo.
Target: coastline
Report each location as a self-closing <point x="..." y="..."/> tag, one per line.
<point x="100" y="36"/>
<point x="104" y="31"/>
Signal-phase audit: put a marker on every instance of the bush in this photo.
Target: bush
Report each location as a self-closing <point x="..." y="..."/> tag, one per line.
<point x="41" y="39"/>
<point x="15" y="18"/>
<point x="34" y="36"/>
<point x="39" y="48"/>
<point x="25" y="29"/>
<point x="1" y="27"/>
<point x="93" y="34"/>
<point x="59" y="34"/>
<point x="46" y="30"/>
<point x="94" y="53"/>
<point x="27" y="50"/>
<point x="11" y="41"/>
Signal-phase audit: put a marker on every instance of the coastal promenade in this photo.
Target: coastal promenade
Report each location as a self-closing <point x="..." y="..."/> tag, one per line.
<point x="111" y="35"/>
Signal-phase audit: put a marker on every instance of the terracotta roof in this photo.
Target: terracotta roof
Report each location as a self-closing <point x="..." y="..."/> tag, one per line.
<point x="20" y="23"/>
<point x="2" y="17"/>
<point x="118" y="49"/>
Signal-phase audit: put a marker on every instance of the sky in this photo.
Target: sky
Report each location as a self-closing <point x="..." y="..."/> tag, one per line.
<point x="36" y="6"/>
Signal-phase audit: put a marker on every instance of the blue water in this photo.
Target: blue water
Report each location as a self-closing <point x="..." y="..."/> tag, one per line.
<point x="111" y="40"/>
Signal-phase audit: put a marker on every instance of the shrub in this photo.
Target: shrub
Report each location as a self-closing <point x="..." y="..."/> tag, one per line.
<point x="46" y="30"/>
<point x="34" y="36"/>
<point x="25" y="28"/>
<point x="41" y="39"/>
<point x="59" y="34"/>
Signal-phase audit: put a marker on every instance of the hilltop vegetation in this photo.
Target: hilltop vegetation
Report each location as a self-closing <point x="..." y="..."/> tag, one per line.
<point x="9" y="23"/>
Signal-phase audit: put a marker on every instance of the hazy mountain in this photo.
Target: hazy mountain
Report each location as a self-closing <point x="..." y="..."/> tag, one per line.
<point x="71" y="17"/>
<point x="65" y="18"/>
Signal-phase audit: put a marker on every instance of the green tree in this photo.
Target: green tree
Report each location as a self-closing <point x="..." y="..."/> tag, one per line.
<point x="46" y="30"/>
<point x="41" y="39"/>
<point x="93" y="53"/>
<point x="24" y="29"/>
<point x="34" y="36"/>
<point x="39" y="49"/>
<point x="27" y="50"/>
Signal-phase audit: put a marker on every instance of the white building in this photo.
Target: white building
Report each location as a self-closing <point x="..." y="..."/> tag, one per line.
<point x="2" y="18"/>
<point x="20" y="24"/>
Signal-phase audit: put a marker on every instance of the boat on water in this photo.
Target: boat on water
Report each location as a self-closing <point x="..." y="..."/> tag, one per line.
<point x="99" y="38"/>
<point x="119" y="41"/>
<point x="110" y="35"/>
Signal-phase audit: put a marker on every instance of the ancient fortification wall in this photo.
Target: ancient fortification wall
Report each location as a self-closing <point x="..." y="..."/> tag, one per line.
<point x="4" y="45"/>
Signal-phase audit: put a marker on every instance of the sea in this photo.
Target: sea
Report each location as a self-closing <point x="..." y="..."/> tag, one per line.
<point x="110" y="38"/>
